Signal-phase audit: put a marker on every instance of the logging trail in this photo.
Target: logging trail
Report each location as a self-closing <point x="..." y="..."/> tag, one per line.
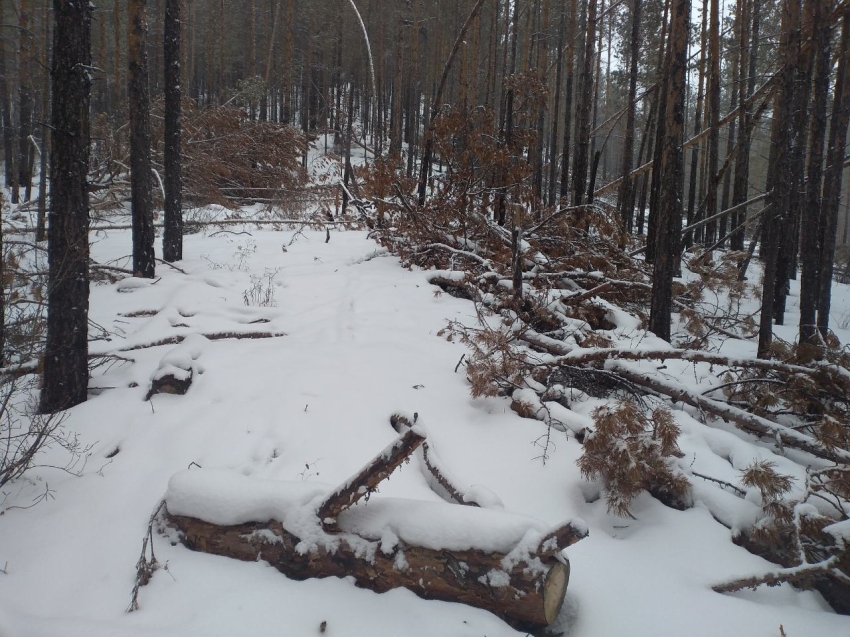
<point x="355" y="340"/>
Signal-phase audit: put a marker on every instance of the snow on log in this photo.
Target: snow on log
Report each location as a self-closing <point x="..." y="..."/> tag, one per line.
<point x="506" y="563"/>
<point x="177" y="368"/>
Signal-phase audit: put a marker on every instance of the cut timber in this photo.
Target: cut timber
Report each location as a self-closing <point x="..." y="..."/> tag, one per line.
<point x="528" y="595"/>
<point x="508" y="564"/>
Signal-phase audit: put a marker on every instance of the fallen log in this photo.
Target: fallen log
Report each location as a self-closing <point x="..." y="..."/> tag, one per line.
<point x="527" y="595"/>
<point x="174" y="381"/>
<point x="508" y="564"/>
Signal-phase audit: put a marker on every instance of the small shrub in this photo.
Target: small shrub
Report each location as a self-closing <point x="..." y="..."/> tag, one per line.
<point x="261" y="292"/>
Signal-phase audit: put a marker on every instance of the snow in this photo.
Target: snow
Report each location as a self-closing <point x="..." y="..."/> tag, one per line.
<point x="275" y="423"/>
<point x="441" y="525"/>
<point x="228" y="497"/>
<point x="840" y="530"/>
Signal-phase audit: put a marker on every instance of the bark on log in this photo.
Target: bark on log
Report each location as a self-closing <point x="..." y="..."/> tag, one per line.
<point x="432" y="470"/>
<point x="366" y="481"/>
<point x="527" y="596"/>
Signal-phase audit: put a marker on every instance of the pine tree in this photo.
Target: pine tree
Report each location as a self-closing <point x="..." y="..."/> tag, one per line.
<point x="144" y="264"/>
<point x="65" y="379"/>
<point x="669" y="222"/>
<point x="172" y="240"/>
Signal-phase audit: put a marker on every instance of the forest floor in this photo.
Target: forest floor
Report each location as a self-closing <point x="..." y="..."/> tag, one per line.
<point x="313" y="405"/>
<point x="352" y="338"/>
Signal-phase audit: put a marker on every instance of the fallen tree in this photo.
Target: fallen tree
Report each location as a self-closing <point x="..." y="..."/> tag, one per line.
<point x="562" y="307"/>
<point x="504" y="563"/>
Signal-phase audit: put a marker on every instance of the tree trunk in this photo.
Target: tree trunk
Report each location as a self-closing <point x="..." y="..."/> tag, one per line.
<point x="833" y="173"/>
<point x="5" y="106"/>
<point x="780" y="175"/>
<point x="525" y="588"/>
<point x="556" y="113"/>
<point x="542" y="107"/>
<point x="25" y="100"/>
<point x="172" y="240"/>
<point x="713" y="120"/>
<point x="396" y="104"/>
<point x="65" y="378"/>
<point x="695" y="151"/>
<point x="348" y="173"/>
<point x="669" y="225"/>
<point x="658" y="134"/>
<point x="787" y="262"/>
<point x="531" y="599"/>
<point x="568" y="101"/>
<point x="731" y="137"/>
<point x="748" y="55"/>
<point x="646" y="142"/>
<point x="583" y="109"/>
<point x="41" y="219"/>
<point x="144" y="263"/>
<point x="117" y="102"/>
<point x="252" y="38"/>
<point x="9" y="137"/>
<point x="817" y="12"/>
<point x="626" y="196"/>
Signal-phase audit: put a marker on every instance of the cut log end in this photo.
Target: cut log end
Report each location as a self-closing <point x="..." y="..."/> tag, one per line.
<point x="555" y="590"/>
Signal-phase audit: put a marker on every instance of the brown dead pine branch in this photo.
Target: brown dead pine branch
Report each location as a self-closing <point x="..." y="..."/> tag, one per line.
<point x="783" y="436"/>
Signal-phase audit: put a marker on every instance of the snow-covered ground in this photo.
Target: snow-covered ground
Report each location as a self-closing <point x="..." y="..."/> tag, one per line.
<point x="359" y="343"/>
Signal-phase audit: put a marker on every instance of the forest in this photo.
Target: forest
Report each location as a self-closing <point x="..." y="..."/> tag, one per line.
<point x="632" y="221"/>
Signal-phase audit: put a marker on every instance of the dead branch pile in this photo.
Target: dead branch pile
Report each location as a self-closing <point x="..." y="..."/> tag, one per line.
<point x="228" y="158"/>
<point x="562" y="311"/>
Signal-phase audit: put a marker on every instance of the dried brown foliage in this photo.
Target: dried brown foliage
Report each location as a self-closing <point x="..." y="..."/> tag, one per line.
<point x="819" y="401"/>
<point x="228" y="157"/>
<point x="548" y="281"/>
<point x="632" y="452"/>
<point x="793" y="530"/>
